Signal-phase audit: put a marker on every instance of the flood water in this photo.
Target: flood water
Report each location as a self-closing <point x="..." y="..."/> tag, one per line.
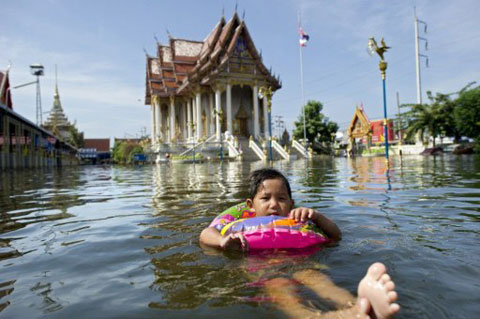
<point x="122" y="242"/>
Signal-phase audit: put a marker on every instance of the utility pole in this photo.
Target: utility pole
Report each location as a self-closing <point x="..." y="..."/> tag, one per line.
<point x="418" y="55"/>
<point x="278" y="120"/>
<point x="399" y="122"/>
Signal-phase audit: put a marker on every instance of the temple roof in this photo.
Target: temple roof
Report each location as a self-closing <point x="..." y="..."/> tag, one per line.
<point x="185" y="64"/>
<point x="360" y="124"/>
<point x="57" y="121"/>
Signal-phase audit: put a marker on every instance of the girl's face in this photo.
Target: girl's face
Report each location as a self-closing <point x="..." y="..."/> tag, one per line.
<point x="271" y="199"/>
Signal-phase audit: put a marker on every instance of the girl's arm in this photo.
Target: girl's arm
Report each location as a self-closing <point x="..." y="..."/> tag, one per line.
<point x="210" y="236"/>
<point x="328" y="226"/>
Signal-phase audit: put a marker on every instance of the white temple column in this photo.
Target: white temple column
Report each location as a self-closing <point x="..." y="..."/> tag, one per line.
<point x="154" y="130"/>
<point x="212" y="117"/>
<point x="217" y="113"/>
<point x="198" y="103"/>
<point x="158" y="122"/>
<point x="256" y="121"/>
<point x="183" y="110"/>
<point x="265" y="117"/>
<point x="189" y="119"/>
<point x="172" y="118"/>
<point x="229" y="108"/>
<point x="207" y="129"/>
<point x="194" y="114"/>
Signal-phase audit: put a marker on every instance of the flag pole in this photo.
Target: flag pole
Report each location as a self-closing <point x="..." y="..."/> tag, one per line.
<point x="301" y="83"/>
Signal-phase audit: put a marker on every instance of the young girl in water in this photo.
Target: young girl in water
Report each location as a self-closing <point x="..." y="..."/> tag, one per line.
<point x="270" y="194"/>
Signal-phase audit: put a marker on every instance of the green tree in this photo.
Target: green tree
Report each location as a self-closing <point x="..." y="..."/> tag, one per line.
<point x="123" y="151"/>
<point x="318" y="127"/>
<point x="467" y="112"/>
<point x="75" y="137"/>
<point x="137" y="149"/>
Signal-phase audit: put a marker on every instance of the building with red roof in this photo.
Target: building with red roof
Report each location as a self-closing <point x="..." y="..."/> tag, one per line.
<point x="200" y="89"/>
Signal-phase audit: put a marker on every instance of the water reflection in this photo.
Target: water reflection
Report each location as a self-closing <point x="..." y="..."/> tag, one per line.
<point x="6" y="288"/>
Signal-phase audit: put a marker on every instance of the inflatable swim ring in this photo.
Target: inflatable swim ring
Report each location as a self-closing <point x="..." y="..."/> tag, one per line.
<point x="268" y="232"/>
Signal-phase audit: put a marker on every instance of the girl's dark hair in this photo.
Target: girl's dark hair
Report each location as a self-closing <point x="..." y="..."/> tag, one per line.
<point x="258" y="176"/>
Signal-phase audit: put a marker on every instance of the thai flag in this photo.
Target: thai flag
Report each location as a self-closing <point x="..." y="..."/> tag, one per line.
<point x="303" y="38"/>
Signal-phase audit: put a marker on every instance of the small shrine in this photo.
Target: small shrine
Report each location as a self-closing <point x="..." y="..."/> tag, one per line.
<point x="368" y="132"/>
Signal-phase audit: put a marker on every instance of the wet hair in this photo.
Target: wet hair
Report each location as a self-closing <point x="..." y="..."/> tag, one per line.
<point x="258" y="176"/>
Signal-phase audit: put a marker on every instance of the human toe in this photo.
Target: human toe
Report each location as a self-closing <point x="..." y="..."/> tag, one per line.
<point x="389" y="286"/>
<point x="385" y="278"/>
<point x="392" y="296"/>
<point x="376" y="270"/>
<point x="394" y="308"/>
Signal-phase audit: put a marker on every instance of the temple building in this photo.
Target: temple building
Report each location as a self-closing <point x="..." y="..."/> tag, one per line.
<point x="58" y="123"/>
<point x="199" y="90"/>
<point x="363" y="132"/>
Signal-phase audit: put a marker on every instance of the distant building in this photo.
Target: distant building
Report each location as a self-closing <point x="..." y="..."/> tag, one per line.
<point x="201" y="89"/>
<point x="58" y="123"/>
<point x="95" y="150"/>
<point x="368" y="132"/>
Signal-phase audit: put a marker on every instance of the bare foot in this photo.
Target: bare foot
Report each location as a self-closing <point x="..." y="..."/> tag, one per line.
<point x="378" y="289"/>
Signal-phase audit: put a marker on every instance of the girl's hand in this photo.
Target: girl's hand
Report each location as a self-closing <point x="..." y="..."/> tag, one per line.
<point x="234" y="241"/>
<point x="302" y="214"/>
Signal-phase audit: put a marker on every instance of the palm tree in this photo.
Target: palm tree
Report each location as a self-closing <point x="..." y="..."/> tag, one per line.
<point x="436" y="118"/>
<point x="424" y="118"/>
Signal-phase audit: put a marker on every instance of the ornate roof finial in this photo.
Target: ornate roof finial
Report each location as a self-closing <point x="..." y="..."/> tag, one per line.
<point x="243" y="15"/>
<point x="56" y="82"/>
<point x="145" y="50"/>
<point x="236" y="6"/>
<point x="223" y="11"/>
<point x="156" y="39"/>
<point x="169" y="34"/>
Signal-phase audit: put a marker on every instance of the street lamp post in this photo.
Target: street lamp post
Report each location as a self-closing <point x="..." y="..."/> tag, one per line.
<point x="37" y="70"/>
<point x="374" y="48"/>
<point x="266" y="93"/>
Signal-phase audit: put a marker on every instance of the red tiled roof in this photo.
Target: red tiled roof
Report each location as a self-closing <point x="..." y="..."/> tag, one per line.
<point x="101" y="144"/>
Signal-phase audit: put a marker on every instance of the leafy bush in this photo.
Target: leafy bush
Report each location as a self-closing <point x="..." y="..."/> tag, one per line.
<point x="123" y="151"/>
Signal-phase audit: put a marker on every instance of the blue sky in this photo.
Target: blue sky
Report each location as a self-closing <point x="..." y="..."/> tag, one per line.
<point x="98" y="48"/>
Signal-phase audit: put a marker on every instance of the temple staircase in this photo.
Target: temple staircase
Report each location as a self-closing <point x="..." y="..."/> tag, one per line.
<point x="300" y="149"/>
<point x="249" y="153"/>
